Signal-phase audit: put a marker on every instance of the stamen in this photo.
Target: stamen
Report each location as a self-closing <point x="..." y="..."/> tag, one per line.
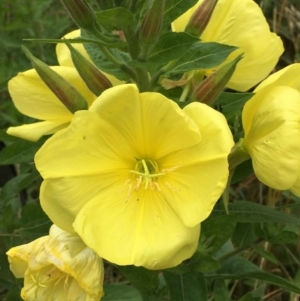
<point x="126" y="182"/>
<point x="128" y="193"/>
<point x="147" y="172"/>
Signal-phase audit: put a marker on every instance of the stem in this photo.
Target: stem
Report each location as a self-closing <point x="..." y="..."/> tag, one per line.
<point x="185" y="91"/>
<point x="238" y="155"/>
<point x="117" y="63"/>
<point x="225" y="195"/>
<point x="145" y="51"/>
<point x="163" y="70"/>
<point x="142" y="80"/>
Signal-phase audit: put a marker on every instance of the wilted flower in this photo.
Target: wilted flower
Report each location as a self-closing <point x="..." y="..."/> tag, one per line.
<point x="57" y="267"/>
<point x="271" y="123"/>
<point x="135" y="175"/>
<point x="240" y="23"/>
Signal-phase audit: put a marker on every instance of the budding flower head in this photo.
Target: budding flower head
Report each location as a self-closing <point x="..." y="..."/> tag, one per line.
<point x="64" y="91"/>
<point x="81" y="13"/>
<point x="208" y="90"/>
<point x="94" y="79"/>
<point x="201" y="17"/>
<point x="152" y="21"/>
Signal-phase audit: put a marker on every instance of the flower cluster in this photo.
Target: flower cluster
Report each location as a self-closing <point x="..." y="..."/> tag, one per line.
<point x="131" y="177"/>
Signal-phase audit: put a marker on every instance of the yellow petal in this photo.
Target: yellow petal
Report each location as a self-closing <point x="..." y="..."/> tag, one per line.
<point x="95" y="146"/>
<point x="144" y="232"/>
<point x="271" y="124"/>
<point x="33" y="98"/>
<point x="64" y="56"/>
<point x="150" y="122"/>
<point x="70" y="255"/>
<point x="202" y="171"/>
<point x="35" y="131"/>
<point x="24" y="256"/>
<point x="288" y="76"/>
<point x="68" y="195"/>
<point x="242" y="24"/>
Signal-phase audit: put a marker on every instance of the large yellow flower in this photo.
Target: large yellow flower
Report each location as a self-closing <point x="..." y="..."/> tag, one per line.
<point x="135" y="175"/>
<point x="58" y="267"/>
<point x="271" y="121"/>
<point x="241" y="23"/>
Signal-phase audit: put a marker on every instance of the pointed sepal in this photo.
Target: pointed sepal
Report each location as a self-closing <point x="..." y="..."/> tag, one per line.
<point x="200" y="18"/>
<point x="208" y="90"/>
<point x="92" y="76"/>
<point x="64" y="91"/>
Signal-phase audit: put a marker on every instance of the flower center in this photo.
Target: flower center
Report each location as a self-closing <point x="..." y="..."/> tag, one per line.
<point x="147" y="173"/>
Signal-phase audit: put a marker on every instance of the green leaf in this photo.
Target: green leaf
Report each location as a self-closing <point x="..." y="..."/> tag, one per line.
<point x="231" y="104"/>
<point x="116" y="18"/>
<point x="205" y="264"/>
<point x="242" y="171"/>
<point x="170" y="46"/>
<point x="104" y="64"/>
<point x="221" y="292"/>
<point x="278" y="233"/>
<point x="254" y="295"/>
<point x="263" y="276"/>
<point x="18" y="183"/>
<point x="144" y="280"/>
<point x="265" y="254"/>
<point x="7" y="138"/>
<point x="202" y="56"/>
<point x="175" y="8"/>
<point x="35" y="223"/>
<point x="20" y="151"/>
<point x="238" y="267"/>
<point x="219" y="229"/>
<point x="190" y="286"/>
<point x="120" y="292"/>
<point x="249" y="212"/>
<point x="243" y="234"/>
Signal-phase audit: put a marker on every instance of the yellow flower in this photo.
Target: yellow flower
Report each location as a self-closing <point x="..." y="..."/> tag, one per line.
<point x="57" y="267"/>
<point x="271" y="123"/>
<point x="241" y="23"/>
<point x="33" y="98"/>
<point x="135" y="175"/>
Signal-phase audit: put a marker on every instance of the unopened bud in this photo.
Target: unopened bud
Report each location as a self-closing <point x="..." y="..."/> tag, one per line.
<point x="94" y="79"/>
<point x="64" y="91"/>
<point x="200" y="18"/>
<point x="152" y="22"/>
<point x="81" y="13"/>
<point x="208" y="91"/>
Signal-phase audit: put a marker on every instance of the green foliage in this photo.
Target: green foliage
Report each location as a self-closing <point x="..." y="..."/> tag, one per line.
<point x="233" y="246"/>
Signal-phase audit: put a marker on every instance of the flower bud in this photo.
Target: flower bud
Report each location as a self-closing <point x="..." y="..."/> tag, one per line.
<point x="200" y="18"/>
<point x="208" y="91"/>
<point x="81" y="13"/>
<point x="64" y="91"/>
<point x="152" y="21"/>
<point x="94" y="79"/>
